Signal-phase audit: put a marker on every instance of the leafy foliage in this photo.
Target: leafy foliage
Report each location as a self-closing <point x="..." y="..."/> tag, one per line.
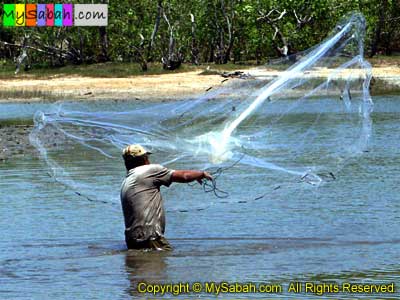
<point x="223" y="30"/>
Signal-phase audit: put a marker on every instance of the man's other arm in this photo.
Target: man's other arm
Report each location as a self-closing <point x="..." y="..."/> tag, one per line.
<point x="189" y="176"/>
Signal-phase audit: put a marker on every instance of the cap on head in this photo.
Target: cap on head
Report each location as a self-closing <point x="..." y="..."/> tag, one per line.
<point x="134" y="151"/>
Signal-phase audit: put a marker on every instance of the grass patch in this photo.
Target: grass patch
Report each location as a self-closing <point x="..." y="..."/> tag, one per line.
<point x="108" y="70"/>
<point x="26" y="94"/>
<point x="384" y="61"/>
<point x="102" y="70"/>
<point x="122" y="70"/>
<point x="16" y="122"/>
<point x="382" y="87"/>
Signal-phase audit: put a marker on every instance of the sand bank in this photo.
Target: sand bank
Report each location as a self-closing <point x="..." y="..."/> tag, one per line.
<point x="155" y="87"/>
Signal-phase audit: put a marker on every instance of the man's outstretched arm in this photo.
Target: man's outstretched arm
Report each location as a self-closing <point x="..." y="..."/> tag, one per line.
<point x="189" y="176"/>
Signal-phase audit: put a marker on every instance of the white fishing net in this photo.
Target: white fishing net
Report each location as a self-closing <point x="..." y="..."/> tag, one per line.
<point x="303" y="125"/>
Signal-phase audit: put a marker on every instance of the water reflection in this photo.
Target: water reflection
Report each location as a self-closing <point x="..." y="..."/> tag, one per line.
<point x="144" y="267"/>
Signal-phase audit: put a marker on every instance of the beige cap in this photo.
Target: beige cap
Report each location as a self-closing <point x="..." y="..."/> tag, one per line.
<point x="135" y="151"/>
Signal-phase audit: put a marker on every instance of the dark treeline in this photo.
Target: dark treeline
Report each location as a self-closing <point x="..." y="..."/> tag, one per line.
<point x="193" y="31"/>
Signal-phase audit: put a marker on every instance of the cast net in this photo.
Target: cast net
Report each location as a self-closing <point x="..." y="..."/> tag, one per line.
<point x="301" y="126"/>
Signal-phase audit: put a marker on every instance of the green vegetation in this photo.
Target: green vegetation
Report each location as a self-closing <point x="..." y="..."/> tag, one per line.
<point x="26" y="94"/>
<point x="16" y="122"/>
<point x="107" y="69"/>
<point x="112" y="70"/>
<point x="152" y="35"/>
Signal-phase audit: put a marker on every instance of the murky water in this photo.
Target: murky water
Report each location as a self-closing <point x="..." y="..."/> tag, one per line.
<point x="56" y="245"/>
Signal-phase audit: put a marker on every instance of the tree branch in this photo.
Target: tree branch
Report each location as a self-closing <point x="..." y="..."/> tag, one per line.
<point x="265" y="17"/>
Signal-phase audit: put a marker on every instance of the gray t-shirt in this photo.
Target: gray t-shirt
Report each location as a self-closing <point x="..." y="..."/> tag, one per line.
<point x="142" y="203"/>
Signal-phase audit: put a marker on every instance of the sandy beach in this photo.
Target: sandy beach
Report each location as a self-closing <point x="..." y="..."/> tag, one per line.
<point x="146" y="87"/>
<point x="156" y="87"/>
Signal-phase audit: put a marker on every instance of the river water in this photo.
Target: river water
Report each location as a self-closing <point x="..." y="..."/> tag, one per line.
<point x="56" y="245"/>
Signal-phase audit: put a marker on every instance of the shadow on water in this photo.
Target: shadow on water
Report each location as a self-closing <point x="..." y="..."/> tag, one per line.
<point x="145" y="267"/>
<point x="191" y="247"/>
<point x="158" y="267"/>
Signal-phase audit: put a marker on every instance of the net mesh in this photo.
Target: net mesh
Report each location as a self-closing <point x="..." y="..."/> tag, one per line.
<point x="304" y="124"/>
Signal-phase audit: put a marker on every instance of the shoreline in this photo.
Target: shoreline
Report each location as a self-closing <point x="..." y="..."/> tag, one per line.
<point x="14" y="141"/>
<point x="386" y="79"/>
<point x="84" y="88"/>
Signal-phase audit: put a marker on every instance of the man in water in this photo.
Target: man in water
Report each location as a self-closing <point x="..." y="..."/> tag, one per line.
<point x="141" y="198"/>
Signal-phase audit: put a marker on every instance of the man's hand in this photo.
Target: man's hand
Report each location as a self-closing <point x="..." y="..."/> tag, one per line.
<point x="206" y="176"/>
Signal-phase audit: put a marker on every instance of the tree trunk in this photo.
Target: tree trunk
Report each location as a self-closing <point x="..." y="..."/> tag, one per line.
<point x="104" y="44"/>
<point x="80" y="47"/>
<point x="224" y="49"/>
<point x="258" y="49"/>
<point x="173" y="60"/>
<point x="228" y="50"/>
<point x="103" y="41"/>
<point x="149" y="56"/>
<point x="284" y="50"/>
<point x="378" y="29"/>
<point x="194" y="49"/>
<point x="140" y="54"/>
<point x="211" y="53"/>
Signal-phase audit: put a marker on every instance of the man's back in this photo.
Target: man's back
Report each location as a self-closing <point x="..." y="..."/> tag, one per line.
<point x="142" y="202"/>
<point x="141" y="199"/>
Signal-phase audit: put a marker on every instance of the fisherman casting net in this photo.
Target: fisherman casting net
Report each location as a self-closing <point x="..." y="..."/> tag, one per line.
<point x="301" y="126"/>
